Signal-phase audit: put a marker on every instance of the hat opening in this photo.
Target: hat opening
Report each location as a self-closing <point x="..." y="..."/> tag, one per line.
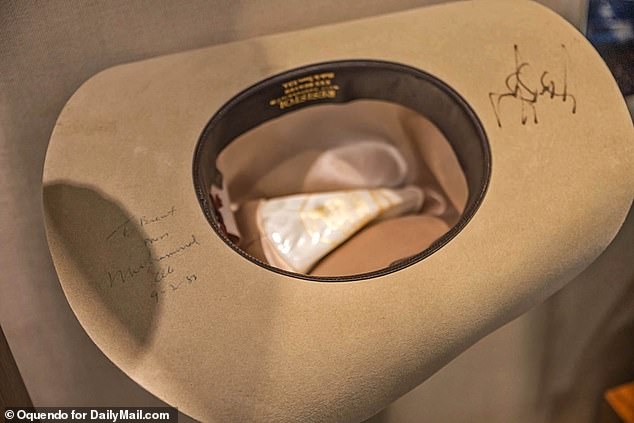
<point x="342" y="171"/>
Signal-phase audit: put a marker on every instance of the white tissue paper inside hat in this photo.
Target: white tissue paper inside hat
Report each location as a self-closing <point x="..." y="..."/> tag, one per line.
<point x="363" y="148"/>
<point x="363" y="164"/>
<point x="297" y="231"/>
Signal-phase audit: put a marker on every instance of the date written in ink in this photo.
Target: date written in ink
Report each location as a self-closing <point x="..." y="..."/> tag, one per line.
<point x="531" y="92"/>
<point x="173" y="286"/>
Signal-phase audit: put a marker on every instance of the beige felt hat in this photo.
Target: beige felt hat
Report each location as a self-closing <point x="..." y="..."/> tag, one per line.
<point x="500" y="112"/>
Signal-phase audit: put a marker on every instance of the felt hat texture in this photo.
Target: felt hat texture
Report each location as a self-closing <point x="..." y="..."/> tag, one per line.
<point x="225" y="339"/>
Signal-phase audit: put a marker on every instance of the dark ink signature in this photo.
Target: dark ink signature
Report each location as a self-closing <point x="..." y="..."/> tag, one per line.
<point x="529" y="93"/>
<point x="154" y="268"/>
<point x="159" y="275"/>
<point x="179" y="249"/>
<point x="122" y="275"/>
<point x="143" y="220"/>
<point x="151" y="240"/>
<point x="124" y="228"/>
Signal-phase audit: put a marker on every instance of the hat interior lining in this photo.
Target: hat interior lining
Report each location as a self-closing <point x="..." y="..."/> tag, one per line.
<point x="341" y="83"/>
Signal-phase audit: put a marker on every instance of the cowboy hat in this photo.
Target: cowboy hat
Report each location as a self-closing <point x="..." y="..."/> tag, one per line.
<point x="540" y="181"/>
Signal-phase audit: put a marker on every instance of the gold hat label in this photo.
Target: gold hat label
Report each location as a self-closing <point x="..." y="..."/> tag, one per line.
<point x="307" y="88"/>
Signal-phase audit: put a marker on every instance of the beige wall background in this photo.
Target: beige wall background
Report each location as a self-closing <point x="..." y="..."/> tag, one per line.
<point x="549" y="365"/>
